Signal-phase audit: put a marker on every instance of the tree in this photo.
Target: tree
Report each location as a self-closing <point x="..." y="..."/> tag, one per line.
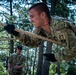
<point x="40" y="59"/>
<point x="46" y="65"/>
<point x="20" y="19"/>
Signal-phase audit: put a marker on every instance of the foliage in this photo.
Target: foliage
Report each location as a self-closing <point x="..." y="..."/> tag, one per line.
<point x="71" y="70"/>
<point x="2" y="56"/>
<point x="72" y="67"/>
<point x="31" y="61"/>
<point x="20" y="19"/>
<point x="2" y="70"/>
<point x="63" y="68"/>
<point x="61" y="9"/>
<point x="52" y="70"/>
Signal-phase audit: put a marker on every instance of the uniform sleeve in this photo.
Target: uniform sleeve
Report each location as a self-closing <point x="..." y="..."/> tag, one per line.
<point x="30" y="41"/>
<point x="24" y="59"/>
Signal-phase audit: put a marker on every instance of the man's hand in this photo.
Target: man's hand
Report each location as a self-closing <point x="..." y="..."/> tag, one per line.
<point x="16" y="67"/>
<point x="10" y="29"/>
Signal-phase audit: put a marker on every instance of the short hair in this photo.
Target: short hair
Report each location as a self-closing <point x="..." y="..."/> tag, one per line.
<point x="19" y="47"/>
<point x="41" y="7"/>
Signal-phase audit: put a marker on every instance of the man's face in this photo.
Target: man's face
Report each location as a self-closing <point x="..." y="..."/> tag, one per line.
<point x="35" y="18"/>
<point x="18" y="51"/>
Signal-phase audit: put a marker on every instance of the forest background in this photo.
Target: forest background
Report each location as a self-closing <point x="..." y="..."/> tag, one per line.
<point x="16" y="12"/>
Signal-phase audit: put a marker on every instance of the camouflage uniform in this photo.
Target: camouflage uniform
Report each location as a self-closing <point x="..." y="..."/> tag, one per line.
<point x="61" y="32"/>
<point x="16" y="59"/>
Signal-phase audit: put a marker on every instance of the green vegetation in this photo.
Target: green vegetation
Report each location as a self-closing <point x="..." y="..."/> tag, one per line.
<point x="20" y="19"/>
<point x="3" y="71"/>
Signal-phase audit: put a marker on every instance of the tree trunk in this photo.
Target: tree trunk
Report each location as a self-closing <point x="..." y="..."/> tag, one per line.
<point x="11" y="46"/>
<point x="53" y="5"/>
<point x="58" y="68"/>
<point x="11" y="41"/>
<point x="40" y="59"/>
<point x="34" y="61"/>
<point x="45" y="70"/>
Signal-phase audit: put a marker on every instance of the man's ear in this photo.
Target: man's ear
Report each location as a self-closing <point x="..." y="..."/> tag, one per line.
<point x="43" y="14"/>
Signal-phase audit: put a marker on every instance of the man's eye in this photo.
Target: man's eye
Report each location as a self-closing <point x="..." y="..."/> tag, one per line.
<point x="31" y="16"/>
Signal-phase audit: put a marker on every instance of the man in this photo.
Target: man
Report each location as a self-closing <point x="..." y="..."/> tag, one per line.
<point x="16" y="62"/>
<point x="55" y="28"/>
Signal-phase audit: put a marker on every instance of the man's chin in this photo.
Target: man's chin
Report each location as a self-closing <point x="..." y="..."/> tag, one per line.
<point x="36" y="26"/>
